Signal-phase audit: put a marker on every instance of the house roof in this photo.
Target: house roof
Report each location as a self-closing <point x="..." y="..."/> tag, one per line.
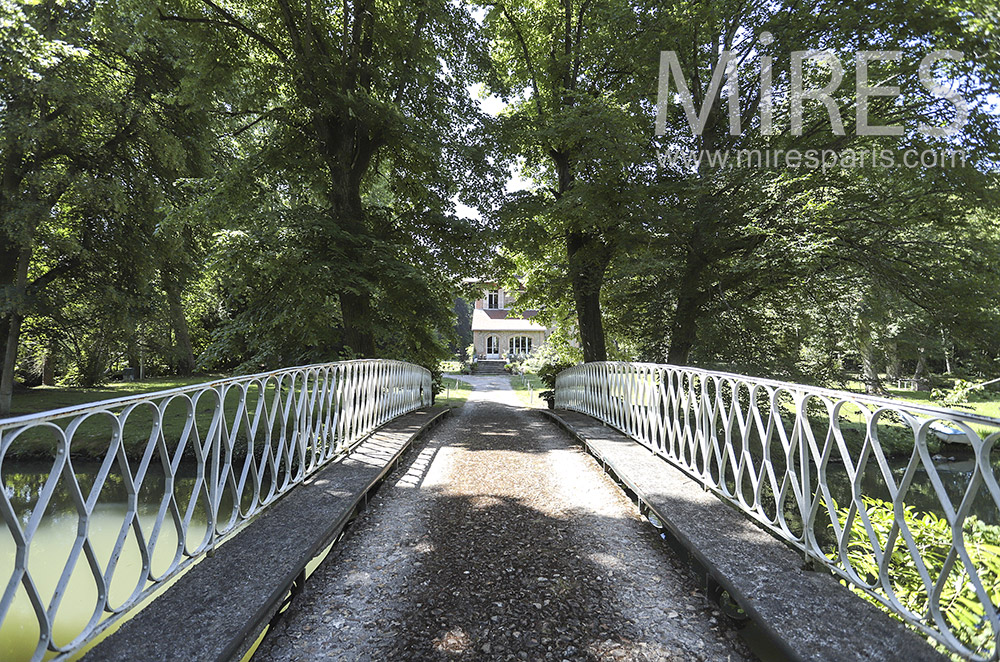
<point x="498" y="320"/>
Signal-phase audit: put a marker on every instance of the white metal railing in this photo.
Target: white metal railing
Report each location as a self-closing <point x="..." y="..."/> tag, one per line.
<point x="777" y="450"/>
<point x="243" y="442"/>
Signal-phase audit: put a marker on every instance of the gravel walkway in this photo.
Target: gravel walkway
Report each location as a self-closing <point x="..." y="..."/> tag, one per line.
<point x="499" y="539"/>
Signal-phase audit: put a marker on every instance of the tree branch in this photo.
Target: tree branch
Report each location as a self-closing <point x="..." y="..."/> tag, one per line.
<point x="527" y="56"/>
<point x="38" y="284"/>
<point x="234" y="22"/>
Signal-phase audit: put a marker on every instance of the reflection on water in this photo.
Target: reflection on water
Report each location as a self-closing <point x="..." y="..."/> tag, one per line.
<point x="955" y="473"/>
<point x="955" y="477"/>
<point x="57" y="533"/>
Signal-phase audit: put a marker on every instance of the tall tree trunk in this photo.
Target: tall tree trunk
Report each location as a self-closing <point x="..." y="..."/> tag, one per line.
<point x="690" y="299"/>
<point x="588" y="260"/>
<point x="588" y="257"/>
<point x="9" y="263"/>
<point x="946" y="349"/>
<point x="355" y="308"/>
<point x="348" y="161"/>
<point x="133" y="354"/>
<point x="49" y="366"/>
<point x="9" y="362"/>
<point x="869" y="369"/>
<point x="869" y="362"/>
<point x="894" y="366"/>
<point x="683" y="332"/>
<point x="14" y="319"/>
<point x="920" y="376"/>
<point x="183" y="352"/>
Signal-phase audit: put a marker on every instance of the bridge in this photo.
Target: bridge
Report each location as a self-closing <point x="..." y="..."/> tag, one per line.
<point x="658" y="513"/>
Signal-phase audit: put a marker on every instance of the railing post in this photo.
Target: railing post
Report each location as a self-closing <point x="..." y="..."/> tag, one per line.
<point x="805" y="503"/>
<point x="215" y="492"/>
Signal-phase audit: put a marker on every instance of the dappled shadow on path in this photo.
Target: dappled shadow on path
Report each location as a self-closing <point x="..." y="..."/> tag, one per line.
<point x="500" y="578"/>
<point x="512" y="568"/>
<point x="499" y="540"/>
<point x="499" y="426"/>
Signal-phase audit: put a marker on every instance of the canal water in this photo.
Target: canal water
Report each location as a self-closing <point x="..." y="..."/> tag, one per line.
<point x="955" y="467"/>
<point x="55" y="537"/>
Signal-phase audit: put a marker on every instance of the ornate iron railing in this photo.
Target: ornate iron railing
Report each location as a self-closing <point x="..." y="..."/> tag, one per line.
<point x="192" y="465"/>
<point x="808" y="465"/>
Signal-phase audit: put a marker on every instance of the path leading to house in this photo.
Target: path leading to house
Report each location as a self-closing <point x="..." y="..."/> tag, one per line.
<point x="500" y="539"/>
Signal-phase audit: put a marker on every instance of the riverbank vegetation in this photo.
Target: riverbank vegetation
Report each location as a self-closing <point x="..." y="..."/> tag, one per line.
<point x="958" y="601"/>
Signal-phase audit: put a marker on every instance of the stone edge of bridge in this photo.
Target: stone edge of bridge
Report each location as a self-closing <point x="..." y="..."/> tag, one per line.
<point x="218" y="608"/>
<point x="804" y="614"/>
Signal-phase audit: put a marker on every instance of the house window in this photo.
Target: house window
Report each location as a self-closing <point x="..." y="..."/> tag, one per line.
<point x="493" y="299"/>
<point x="492" y="345"/>
<point x="520" y="345"/>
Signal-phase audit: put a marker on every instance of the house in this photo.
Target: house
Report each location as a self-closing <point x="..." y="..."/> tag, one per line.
<point x="497" y="333"/>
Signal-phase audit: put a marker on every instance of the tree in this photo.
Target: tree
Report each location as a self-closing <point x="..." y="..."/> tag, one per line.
<point x="725" y="237"/>
<point x="334" y="89"/>
<point x="67" y="115"/>
<point x="570" y="70"/>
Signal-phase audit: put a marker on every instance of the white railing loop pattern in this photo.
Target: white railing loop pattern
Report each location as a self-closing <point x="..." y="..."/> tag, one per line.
<point x="785" y="453"/>
<point x="244" y="442"/>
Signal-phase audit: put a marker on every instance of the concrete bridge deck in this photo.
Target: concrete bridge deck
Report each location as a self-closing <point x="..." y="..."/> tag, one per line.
<point x="500" y="538"/>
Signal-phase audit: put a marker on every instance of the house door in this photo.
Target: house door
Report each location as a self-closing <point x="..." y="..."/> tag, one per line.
<point x="492" y="347"/>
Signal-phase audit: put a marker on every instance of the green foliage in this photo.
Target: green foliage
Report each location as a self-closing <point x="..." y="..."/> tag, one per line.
<point x="959" y="394"/>
<point x="437" y="385"/>
<point x="959" y="602"/>
<point x="550" y="371"/>
<point x="190" y="180"/>
<point x="182" y="197"/>
<point x="791" y="272"/>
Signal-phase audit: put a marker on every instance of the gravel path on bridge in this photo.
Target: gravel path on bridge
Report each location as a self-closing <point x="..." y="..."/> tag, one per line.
<point x="499" y="539"/>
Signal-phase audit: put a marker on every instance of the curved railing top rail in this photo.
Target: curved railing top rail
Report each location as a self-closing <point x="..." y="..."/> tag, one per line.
<point x="889" y="403"/>
<point x="74" y="410"/>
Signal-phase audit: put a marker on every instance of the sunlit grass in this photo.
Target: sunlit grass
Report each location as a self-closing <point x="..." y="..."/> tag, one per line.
<point x="527" y="393"/>
<point x="92" y="439"/>
<point x="454" y="392"/>
<point x="45" y="398"/>
<point x="983" y="403"/>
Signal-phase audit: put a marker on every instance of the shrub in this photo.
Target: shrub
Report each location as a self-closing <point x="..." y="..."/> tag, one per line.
<point x="961" y="393"/>
<point x="549" y="371"/>
<point x="960" y="606"/>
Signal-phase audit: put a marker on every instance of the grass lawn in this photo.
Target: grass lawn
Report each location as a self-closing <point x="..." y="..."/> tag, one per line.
<point x="44" y="398"/>
<point x="454" y="393"/>
<point x="989" y="406"/>
<point x="528" y="393"/>
<point x="92" y="438"/>
<point x="895" y="437"/>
